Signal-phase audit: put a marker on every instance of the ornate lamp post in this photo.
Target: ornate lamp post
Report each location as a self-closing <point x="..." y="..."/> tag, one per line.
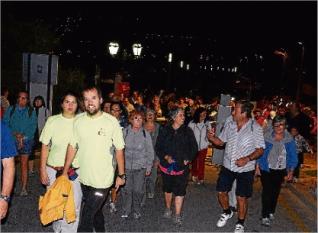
<point x="137" y="48"/>
<point x="113" y="48"/>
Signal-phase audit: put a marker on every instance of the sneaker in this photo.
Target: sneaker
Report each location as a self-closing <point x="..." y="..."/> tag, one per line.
<point x="201" y="182"/>
<point x="266" y="222"/>
<point x="23" y="192"/>
<point x="239" y="228"/>
<point x="177" y="220"/>
<point x="137" y="215"/>
<point x="124" y="216"/>
<point x="223" y="219"/>
<point x="167" y="213"/>
<point x="271" y="216"/>
<point x="151" y="195"/>
<point x="194" y="179"/>
<point x="112" y="207"/>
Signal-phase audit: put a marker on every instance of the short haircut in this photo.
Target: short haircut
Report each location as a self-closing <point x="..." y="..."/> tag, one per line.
<point x="134" y="113"/>
<point x="173" y="112"/>
<point x="246" y="106"/>
<point x="278" y="119"/>
<point x="90" y="88"/>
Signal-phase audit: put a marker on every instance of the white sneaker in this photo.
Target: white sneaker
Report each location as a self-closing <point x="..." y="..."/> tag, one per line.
<point x="124" y="216"/>
<point x="223" y="219"/>
<point x="112" y="207"/>
<point x="239" y="228"/>
<point x="266" y="222"/>
<point x="167" y="213"/>
<point x="271" y="216"/>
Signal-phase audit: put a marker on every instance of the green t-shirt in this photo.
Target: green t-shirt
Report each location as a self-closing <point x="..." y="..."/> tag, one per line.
<point x="94" y="138"/>
<point x="57" y="133"/>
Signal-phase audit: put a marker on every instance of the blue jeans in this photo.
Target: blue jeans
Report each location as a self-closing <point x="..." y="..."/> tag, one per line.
<point x="92" y="217"/>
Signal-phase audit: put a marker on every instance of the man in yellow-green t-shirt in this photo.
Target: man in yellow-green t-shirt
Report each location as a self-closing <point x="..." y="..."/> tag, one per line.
<point x="94" y="135"/>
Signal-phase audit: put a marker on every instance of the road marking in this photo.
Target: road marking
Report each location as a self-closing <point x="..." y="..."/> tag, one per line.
<point x="296" y="219"/>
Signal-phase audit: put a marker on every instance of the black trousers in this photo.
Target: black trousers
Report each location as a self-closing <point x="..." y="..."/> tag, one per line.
<point x="92" y="217"/>
<point x="300" y="162"/>
<point x="271" y="182"/>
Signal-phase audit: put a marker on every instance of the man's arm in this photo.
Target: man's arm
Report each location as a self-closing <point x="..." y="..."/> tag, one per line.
<point x="70" y="155"/>
<point x="215" y="140"/>
<point x="253" y="156"/>
<point x="7" y="184"/>
<point x="121" y="168"/>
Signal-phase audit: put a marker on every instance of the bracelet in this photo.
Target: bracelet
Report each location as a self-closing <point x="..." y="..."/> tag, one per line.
<point x="5" y="198"/>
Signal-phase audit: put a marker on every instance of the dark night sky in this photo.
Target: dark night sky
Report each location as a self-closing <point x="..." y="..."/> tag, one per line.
<point x="239" y="28"/>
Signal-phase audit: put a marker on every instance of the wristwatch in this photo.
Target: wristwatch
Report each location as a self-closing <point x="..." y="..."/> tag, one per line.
<point x="122" y="176"/>
<point x="6" y="198"/>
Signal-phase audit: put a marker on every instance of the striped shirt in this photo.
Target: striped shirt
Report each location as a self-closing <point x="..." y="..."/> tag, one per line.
<point x="241" y="143"/>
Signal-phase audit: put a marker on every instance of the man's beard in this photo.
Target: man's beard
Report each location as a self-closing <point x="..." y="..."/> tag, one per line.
<point x="92" y="112"/>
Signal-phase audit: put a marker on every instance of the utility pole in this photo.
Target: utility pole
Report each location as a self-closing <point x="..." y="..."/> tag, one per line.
<point x="300" y="72"/>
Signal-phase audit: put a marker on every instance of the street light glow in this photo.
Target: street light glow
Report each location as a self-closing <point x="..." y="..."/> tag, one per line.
<point x="137" y="49"/>
<point x="188" y="66"/>
<point x="113" y="48"/>
<point x="181" y="64"/>
<point x="170" y="57"/>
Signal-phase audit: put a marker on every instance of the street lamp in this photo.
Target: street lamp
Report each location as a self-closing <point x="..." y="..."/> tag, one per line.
<point x="137" y="49"/>
<point x="282" y="53"/>
<point x="300" y="71"/>
<point x="113" y="48"/>
<point x="181" y="64"/>
<point x="169" y="71"/>
<point x="170" y="57"/>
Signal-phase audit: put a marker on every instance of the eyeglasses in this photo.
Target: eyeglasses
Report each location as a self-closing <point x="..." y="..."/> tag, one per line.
<point x="279" y="124"/>
<point x="115" y="110"/>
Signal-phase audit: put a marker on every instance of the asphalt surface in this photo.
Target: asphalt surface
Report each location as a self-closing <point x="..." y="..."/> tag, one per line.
<point x="296" y="211"/>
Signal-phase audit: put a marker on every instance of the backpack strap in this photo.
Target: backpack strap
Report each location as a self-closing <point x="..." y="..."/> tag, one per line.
<point x="12" y="110"/>
<point x="30" y="111"/>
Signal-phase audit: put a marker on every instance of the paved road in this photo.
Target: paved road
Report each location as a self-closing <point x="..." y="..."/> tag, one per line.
<point x="296" y="212"/>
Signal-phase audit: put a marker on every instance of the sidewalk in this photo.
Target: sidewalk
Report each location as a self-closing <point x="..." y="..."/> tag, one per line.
<point x="306" y="185"/>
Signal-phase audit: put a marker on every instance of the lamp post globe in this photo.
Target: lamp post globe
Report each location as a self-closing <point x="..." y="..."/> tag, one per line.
<point x="113" y="48"/>
<point x="136" y="49"/>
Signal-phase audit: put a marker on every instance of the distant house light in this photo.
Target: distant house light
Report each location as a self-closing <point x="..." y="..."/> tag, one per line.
<point x="181" y="64"/>
<point x="170" y="57"/>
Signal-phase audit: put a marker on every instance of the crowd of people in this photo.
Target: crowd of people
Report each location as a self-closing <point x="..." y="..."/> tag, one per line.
<point x="117" y="147"/>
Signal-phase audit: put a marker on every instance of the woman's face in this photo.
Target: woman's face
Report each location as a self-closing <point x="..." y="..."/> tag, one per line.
<point x="202" y="116"/>
<point x="69" y="105"/>
<point x="137" y="121"/>
<point x="38" y="103"/>
<point x="279" y="127"/>
<point x="179" y="118"/>
<point x="150" y="116"/>
<point x="106" y="107"/>
<point x="115" y="110"/>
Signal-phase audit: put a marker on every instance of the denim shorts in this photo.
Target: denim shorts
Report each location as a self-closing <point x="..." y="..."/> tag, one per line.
<point x="244" y="182"/>
<point x="26" y="148"/>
